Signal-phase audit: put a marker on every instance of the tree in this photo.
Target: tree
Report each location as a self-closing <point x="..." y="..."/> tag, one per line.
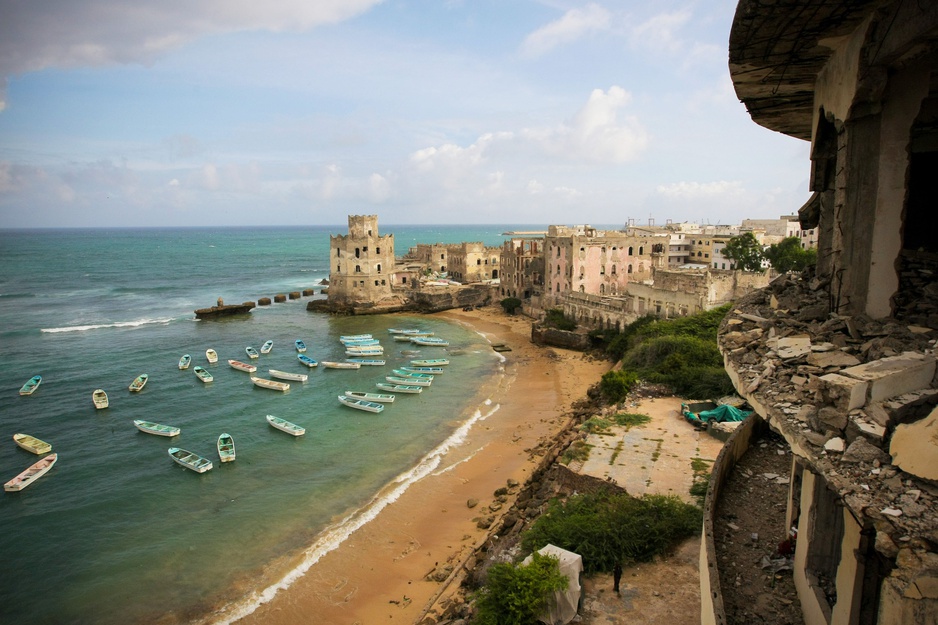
<point x="790" y="256"/>
<point x="516" y="594"/>
<point x="745" y="252"/>
<point x="511" y="304"/>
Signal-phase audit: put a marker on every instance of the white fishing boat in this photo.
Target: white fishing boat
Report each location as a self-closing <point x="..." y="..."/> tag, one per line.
<point x="203" y="374"/>
<point x="251" y="352"/>
<point x="430" y="370"/>
<point x="273" y="385"/>
<point x="32" y="444"/>
<point x="184" y="361"/>
<point x="394" y="379"/>
<point x="332" y="364"/>
<point x="364" y="352"/>
<point x="355" y="337"/>
<point x="285" y="426"/>
<point x="190" y="460"/>
<point x="286" y="375"/>
<point x="410" y="332"/>
<point x="360" y="342"/>
<point x="242" y="366"/>
<point x="364" y="349"/>
<point x="211" y="356"/>
<point x="156" y="428"/>
<point x="300" y="345"/>
<point x="429" y="341"/>
<point x="361" y="404"/>
<point x="403" y="338"/>
<point x="399" y="388"/>
<point x="412" y="374"/>
<point x="369" y="362"/>
<point x="381" y="398"/>
<point x="139" y="382"/>
<point x="99" y="399"/>
<point x="31" y="385"/>
<point x="30" y="475"/>
<point x="430" y="362"/>
<point x="266" y="347"/>
<point x="226" y="447"/>
<point x="306" y="360"/>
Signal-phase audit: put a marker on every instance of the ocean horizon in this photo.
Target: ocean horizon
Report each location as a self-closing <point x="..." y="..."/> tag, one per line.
<point x="118" y="533"/>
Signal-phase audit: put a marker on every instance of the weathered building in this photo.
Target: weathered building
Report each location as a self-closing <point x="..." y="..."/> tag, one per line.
<point x="473" y="262"/>
<point x="522" y="266"/>
<point x="360" y="263"/>
<point x="842" y="364"/>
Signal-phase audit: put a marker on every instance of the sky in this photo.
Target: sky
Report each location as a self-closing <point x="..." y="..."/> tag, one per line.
<point x="301" y="112"/>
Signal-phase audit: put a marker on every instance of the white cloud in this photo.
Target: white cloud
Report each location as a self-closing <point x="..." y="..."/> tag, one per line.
<point x="78" y="33"/>
<point x="574" y="24"/>
<point x="660" y="33"/>
<point x="379" y="188"/>
<point x="698" y="190"/>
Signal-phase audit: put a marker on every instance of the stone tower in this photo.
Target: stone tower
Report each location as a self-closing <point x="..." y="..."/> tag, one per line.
<point x="360" y="263"/>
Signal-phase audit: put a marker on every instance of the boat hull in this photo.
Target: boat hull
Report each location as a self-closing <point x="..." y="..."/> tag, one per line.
<point x="32" y="444"/>
<point x="31" y="385"/>
<point x="31" y="474"/>
<point x="273" y="385"/>
<point x="361" y="404"/>
<point x="99" y="399"/>
<point x="226" y="448"/>
<point x="285" y="426"/>
<point x="157" y="429"/>
<point x="190" y="460"/>
<point x="399" y="388"/>
<point x="139" y="382"/>
<point x="376" y="397"/>
<point x="242" y="366"/>
<point x="286" y="375"/>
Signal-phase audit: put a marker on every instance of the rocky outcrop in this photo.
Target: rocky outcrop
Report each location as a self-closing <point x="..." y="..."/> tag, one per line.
<point x="546" y="335"/>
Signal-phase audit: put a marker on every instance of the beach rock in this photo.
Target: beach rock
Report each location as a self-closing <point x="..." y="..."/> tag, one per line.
<point x="472" y="503"/>
<point x="485" y="522"/>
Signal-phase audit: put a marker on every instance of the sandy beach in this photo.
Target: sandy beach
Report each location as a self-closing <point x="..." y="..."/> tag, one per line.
<point x="379" y="574"/>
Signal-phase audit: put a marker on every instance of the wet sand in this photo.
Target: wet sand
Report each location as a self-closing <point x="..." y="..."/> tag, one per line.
<point x="379" y="574"/>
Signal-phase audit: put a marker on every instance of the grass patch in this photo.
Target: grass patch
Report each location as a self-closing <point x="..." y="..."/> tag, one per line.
<point x="577" y="451"/>
<point x="596" y="425"/>
<point x="630" y="419"/>
<point x="615" y="453"/>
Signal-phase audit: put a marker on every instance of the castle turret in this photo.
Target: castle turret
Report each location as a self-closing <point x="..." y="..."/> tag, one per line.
<point x="360" y="263"/>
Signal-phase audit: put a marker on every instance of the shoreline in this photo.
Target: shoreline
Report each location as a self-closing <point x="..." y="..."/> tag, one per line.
<point x="381" y="570"/>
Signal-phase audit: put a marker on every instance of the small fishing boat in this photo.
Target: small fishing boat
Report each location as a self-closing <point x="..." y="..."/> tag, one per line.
<point x="404" y="338"/>
<point x="306" y="360"/>
<point x="286" y="375"/>
<point x="360" y="342"/>
<point x="226" y="448"/>
<point x="430" y="370"/>
<point x="393" y="379"/>
<point x="273" y="385"/>
<point x="31" y="474"/>
<point x="361" y="404"/>
<point x="412" y="374"/>
<point x="410" y="332"/>
<point x="266" y="347"/>
<point x="331" y="364"/>
<point x="399" y="388"/>
<point x="364" y="352"/>
<point x="203" y="374"/>
<point x="429" y="341"/>
<point x="242" y="366"/>
<point x="300" y="345"/>
<point x="251" y="352"/>
<point x="139" y="382"/>
<point x="285" y="426"/>
<point x="184" y="361"/>
<point x="368" y="362"/>
<point x="381" y="398"/>
<point x="32" y="444"/>
<point x="430" y="362"/>
<point x="99" y="398"/>
<point x="190" y="460"/>
<point x="211" y="356"/>
<point x="355" y="337"/>
<point x="365" y="349"/>
<point x="31" y="385"/>
<point x="156" y="428"/>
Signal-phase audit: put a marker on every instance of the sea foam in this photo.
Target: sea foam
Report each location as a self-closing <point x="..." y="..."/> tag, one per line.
<point x="116" y="324"/>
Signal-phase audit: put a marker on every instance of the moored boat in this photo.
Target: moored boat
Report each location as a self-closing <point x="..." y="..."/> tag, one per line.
<point x="364" y="349"/>
<point x="266" y="347"/>
<point x="203" y="374"/>
<point x="430" y="370"/>
<point x="361" y="404"/>
<point x="242" y="366"/>
<point x="99" y="399"/>
<point x="306" y="360"/>
<point x="360" y="342"/>
<point x="251" y="352"/>
<point x="139" y="382"/>
<point x="286" y="375"/>
<point x="399" y="388"/>
<point x="429" y="341"/>
<point x="156" y="428"/>
<point x="273" y="385"/>
<point x="30" y="475"/>
<point x="285" y="426"/>
<point x="184" y="361"/>
<point x="300" y="345"/>
<point x="412" y="374"/>
<point x="365" y="352"/>
<point x="355" y="337"/>
<point x="31" y="385"/>
<point x="430" y="362"/>
<point x="190" y="460"/>
<point x="226" y="448"/>
<point x="410" y="332"/>
<point x="368" y="362"/>
<point x="331" y="364"/>
<point x="381" y="398"/>
<point x="211" y="356"/>
<point x="393" y="379"/>
<point x="32" y="444"/>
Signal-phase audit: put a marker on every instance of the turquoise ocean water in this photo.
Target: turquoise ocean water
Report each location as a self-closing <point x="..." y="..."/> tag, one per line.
<point x="117" y="533"/>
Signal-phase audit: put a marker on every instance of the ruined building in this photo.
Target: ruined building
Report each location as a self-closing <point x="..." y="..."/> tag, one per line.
<point x="361" y="264"/>
<point x="842" y="363"/>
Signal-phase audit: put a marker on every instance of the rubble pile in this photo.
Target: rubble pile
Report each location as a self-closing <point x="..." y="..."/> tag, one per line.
<point x="851" y="395"/>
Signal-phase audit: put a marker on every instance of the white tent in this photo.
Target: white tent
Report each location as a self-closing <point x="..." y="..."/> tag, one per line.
<point x="563" y="606"/>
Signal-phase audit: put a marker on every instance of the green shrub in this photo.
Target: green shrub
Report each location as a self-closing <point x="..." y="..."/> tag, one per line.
<point x="615" y="385"/>
<point x="511" y="304"/>
<point x="516" y="594"/>
<point x="595" y="425"/>
<point x="578" y="451"/>
<point x="608" y="528"/>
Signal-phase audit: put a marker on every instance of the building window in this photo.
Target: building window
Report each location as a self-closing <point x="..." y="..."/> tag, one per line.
<point x="613" y="270"/>
<point x="602" y="270"/>
<point x="641" y="250"/>
<point x="357" y="253"/>
<point x="365" y="249"/>
<point x="383" y="282"/>
<point x="358" y="268"/>
<point x="376" y="283"/>
<point x="630" y="250"/>
<point x="478" y="261"/>
<point x="377" y="250"/>
<point x="379" y="267"/>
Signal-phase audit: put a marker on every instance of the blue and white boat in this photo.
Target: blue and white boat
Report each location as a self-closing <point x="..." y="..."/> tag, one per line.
<point x="251" y="352"/>
<point x="412" y="374"/>
<point x="429" y="362"/>
<point x="399" y="388"/>
<point x="429" y="341"/>
<point x="306" y="360"/>
<point x="430" y="370"/>
<point x="266" y="347"/>
<point x="369" y="362"/>
<point x="394" y="379"/>
<point x="184" y="361"/>
<point x="355" y="337"/>
<point x="361" y="404"/>
<point x="31" y="385"/>
<point x="300" y="345"/>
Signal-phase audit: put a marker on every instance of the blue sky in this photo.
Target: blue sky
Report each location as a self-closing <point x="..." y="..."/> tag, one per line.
<point x="174" y="113"/>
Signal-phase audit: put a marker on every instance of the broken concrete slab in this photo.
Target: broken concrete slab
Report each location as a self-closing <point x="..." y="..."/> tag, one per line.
<point x="835" y="358"/>
<point x="914" y="447"/>
<point x="895" y="375"/>
<point x="842" y="392"/>
<point x="793" y="347"/>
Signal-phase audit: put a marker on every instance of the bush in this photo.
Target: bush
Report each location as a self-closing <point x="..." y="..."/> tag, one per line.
<point x="607" y="528"/>
<point x="615" y="385"/>
<point x="556" y="319"/>
<point x="516" y="594"/>
<point x="511" y="304"/>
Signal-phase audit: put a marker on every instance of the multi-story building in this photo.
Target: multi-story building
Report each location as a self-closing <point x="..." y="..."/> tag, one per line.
<point x="361" y="263"/>
<point x="473" y="262"/>
<point x="522" y="267"/>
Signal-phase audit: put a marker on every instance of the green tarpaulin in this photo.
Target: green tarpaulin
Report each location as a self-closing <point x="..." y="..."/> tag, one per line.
<point x="718" y="414"/>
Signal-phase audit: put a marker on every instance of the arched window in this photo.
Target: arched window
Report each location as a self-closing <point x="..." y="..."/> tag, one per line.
<point x="630" y="250"/>
<point x="379" y="267"/>
<point x="357" y="253"/>
<point x="630" y="269"/>
<point x="641" y="250"/>
<point x="358" y="268"/>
